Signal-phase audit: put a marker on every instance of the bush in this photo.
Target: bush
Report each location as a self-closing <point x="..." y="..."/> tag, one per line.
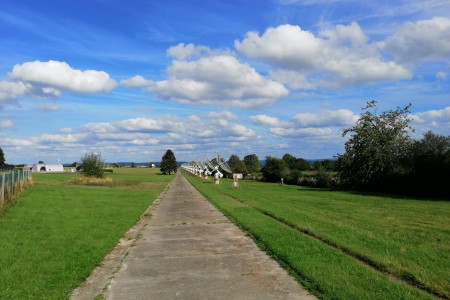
<point x="293" y="177"/>
<point x="307" y="181"/>
<point x="92" y="165"/>
<point x="324" y="179"/>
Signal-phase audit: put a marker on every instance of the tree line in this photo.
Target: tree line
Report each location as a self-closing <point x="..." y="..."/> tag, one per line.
<point x="380" y="156"/>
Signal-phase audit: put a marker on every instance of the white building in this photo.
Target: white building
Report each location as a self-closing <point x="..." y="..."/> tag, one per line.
<point x="47" y="168"/>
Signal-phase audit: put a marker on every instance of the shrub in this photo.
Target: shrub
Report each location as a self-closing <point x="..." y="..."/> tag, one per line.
<point x="92" y="165"/>
<point x="307" y="181"/>
<point x="324" y="178"/>
<point x="293" y="177"/>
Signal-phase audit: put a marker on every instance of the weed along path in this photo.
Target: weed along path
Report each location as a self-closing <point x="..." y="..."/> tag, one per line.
<point x="189" y="250"/>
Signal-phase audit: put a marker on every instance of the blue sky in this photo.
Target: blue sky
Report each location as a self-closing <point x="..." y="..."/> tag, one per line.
<point x="132" y="79"/>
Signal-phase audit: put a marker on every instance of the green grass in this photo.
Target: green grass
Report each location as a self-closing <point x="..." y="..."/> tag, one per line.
<point x="345" y="245"/>
<point x="57" y="232"/>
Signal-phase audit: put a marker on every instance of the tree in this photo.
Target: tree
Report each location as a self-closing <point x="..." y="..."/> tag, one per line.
<point x="92" y="165"/>
<point x="376" y="152"/>
<point x="237" y="165"/>
<point x="431" y="164"/>
<point x="327" y="165"/>
<point x="274" y="169"/>
<point x="252" y="163"/>
<point x="302" y="164"/>
<point x="2" y="158"/>
<point x="168" y="163"/>
<point x="133" y="165"/>
<point x="295" y="163"/>
<point x="290" y="160"/>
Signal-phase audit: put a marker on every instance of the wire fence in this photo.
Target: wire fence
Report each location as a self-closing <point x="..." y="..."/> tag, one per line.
<point x="12" y="184"/>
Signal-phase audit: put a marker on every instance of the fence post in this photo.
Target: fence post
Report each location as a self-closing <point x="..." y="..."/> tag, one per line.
<point x="12" y="183"/>
<point x="3" y="189"/>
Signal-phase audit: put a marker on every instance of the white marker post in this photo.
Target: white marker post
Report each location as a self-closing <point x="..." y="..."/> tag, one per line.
<point x="236" y="177"/>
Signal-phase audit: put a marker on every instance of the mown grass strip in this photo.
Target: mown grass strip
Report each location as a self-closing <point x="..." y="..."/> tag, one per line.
<point x="323" y="270"/>
<point x="404" y="237"/>
<point x="361" y="258"/>
<point x="57" y="233"/>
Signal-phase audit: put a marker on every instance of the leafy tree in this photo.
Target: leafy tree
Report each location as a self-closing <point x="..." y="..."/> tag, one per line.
<point x="431" y="164"/>
<point x="376" y="151"/>
<point x="92" y="165"/>
<point x="302" y="164"/>
<point x="133" y="165"/>
<point x="116" y="165"/>
<point x="237" y="165"/>
<point x="74" y="164"/>
<point x="252" y="163"/>
<point x="2" y="158"/>
<point x="41" y="162"/>
<point x="291" y="161"/>
<point x="274" y="169"/>
<point x="327" y="165"/>
<point x="295" y="163"/>
<point x="168" y="163"/>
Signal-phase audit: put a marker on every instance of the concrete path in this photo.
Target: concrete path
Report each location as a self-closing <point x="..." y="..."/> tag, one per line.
<point x="189" y="250"/>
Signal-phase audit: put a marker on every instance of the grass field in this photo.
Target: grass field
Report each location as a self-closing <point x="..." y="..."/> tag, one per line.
<point x="57" y="232"/>
<point x="343" y="245"/>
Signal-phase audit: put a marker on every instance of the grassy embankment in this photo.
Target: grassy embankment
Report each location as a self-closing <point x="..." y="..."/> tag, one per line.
<point x="58" y="232"/>
<point x="345" y="245"/>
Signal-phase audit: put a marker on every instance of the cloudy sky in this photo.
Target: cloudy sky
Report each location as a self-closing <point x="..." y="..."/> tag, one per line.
<point x="130" y="79"/>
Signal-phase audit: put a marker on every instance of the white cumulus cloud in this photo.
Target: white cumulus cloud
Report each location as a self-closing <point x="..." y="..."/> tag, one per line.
<point x="214" y="80"/>
<point x="136" y="81"/>
<point x="424" y="40"/>
<point x="55" y="75"/>
<point x="227" y="115"/>
<point x="334" y="58"/>
<point x="266" y="120"/>
<point x="10" y="91"/>
<point x="184" y="51"/>
<point x="442" y="115"/>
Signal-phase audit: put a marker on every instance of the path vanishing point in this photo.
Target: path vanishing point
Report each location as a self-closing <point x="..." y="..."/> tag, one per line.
<point x="184" y="248"/>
